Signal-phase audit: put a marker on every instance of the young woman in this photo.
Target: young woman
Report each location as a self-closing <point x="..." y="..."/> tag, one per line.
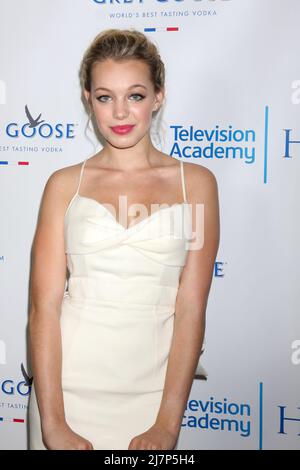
<point x="114" y="356"/>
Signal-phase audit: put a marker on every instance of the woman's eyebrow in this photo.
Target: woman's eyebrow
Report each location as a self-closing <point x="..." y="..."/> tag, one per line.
<point x="132" y="86"/>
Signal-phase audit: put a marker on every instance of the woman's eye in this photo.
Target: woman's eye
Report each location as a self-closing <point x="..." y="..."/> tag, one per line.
<point x="141" y="96"/>
<point x="99" y="98"/>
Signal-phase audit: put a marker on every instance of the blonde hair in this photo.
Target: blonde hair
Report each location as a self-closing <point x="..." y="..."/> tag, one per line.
<point x="122" y="44"/>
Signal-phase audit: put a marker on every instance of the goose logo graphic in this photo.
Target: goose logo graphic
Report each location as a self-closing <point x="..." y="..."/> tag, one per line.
<point x="28" y="380"/>
<point x="37" y="127"/>
<point x="32" y="122"/>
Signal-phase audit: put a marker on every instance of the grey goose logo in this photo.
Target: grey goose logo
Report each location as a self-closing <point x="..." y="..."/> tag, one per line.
<point x="33" y="122"/>
<point x="35" y="126"/>
<point x="28" y="380"/>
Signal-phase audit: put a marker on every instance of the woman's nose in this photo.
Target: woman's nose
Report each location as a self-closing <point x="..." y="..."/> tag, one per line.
<point x="120" y="109"/>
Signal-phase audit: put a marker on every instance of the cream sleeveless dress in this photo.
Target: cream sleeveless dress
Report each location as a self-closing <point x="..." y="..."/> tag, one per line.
<point x="117" y="319"/>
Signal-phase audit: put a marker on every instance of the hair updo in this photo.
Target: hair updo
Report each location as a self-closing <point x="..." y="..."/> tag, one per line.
<point x="122" y="44"/>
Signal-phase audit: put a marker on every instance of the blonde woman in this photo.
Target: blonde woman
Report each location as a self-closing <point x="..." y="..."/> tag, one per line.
<point x="114" y="357"/>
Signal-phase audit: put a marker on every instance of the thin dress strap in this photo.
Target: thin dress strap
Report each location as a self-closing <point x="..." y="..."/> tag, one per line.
<point x="80" y="177"/>
<point x="183" y="181"/>
<point x="76" y="194"/>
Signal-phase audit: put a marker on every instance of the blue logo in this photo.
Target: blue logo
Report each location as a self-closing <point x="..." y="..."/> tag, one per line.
<point x="23" y="387"/>
<point x="128" y="2"/>
<point x="234" y="144"/>
<point x="288" y="142"/>
<point x="39" y="127"/>
<point x="218" y="416"/>
<point x="283" y="420"/>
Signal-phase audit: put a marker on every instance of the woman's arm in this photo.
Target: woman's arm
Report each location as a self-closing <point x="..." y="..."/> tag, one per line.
<point x="191" y="301"/>
<point x="47" y="284"/>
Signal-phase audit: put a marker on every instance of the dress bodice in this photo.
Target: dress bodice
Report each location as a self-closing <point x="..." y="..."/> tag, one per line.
<point x="140" y="264"/>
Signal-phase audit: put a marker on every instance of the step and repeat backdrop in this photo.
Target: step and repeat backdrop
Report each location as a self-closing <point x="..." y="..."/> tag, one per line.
<point x="232" y="105"/>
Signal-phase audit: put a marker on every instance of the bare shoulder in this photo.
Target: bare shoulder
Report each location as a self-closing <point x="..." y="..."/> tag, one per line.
<point x="65" y="178"/>
<point x="62" y="183"/>
<point x="200" y="181"/>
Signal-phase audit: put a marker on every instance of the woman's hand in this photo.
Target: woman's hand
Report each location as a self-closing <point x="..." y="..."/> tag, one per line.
<point x="61" y="437"/>
<point x="155" y="438"/>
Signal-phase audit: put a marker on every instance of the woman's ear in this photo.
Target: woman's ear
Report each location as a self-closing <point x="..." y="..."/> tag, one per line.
<point x="87" y="95"/>
<point x="159" y="98"/>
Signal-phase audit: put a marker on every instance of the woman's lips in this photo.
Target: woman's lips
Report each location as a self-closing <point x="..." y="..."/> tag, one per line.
<point x="122" y="129"/>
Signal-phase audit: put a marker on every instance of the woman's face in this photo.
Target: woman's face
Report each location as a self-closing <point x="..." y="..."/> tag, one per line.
<point x="122" y="93"/>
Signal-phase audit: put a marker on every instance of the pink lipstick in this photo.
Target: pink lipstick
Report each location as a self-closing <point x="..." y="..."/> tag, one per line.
<point x="122" y="129"/>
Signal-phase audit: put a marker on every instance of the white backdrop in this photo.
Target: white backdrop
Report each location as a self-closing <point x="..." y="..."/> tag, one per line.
<point x="231" y="65"/>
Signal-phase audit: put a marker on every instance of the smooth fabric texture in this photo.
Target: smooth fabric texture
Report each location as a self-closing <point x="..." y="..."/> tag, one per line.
<point x="117" y="319"/>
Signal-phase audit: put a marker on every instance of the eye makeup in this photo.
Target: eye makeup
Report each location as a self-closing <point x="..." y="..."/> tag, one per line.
<point x="99" y="98"/>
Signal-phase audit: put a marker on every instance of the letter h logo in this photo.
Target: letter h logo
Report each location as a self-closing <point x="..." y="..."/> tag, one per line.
<point x="282" y="419"/>
<point x="288" y="141"/>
